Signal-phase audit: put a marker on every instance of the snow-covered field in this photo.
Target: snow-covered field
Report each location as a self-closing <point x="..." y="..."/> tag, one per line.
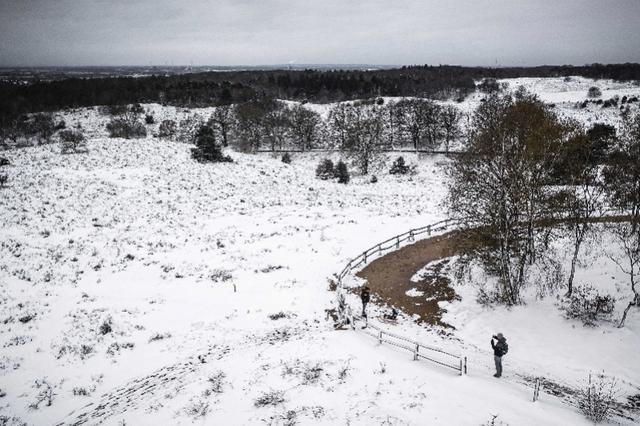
<point x="147" y="288"/>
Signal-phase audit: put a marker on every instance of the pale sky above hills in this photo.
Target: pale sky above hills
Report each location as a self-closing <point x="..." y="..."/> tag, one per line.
<point x="253" y="32"/>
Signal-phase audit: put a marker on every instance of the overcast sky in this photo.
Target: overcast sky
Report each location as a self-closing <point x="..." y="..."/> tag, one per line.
<point x="260" y="32"/>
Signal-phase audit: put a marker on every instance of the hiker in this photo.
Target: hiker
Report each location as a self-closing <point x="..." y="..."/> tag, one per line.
<point x="392" y="316"/>
<point x="500" y="348"/>
<point x="365" y="296"/>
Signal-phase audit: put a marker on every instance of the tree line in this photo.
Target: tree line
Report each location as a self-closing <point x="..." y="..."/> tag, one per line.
<point x="363" y="129"/>
<point x="322" y="86"/>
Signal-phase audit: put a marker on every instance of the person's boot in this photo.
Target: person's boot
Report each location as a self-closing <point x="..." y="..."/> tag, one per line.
<point x="496" y="375"/>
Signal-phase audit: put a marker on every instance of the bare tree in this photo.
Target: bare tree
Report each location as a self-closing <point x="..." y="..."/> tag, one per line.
<point x="622" y="178"/>
<point x="628" y="238"/>
<point x="582" y="198"/>
<point x="222" y="121"/>
<point x="420" y="122"/>
<point x="498" y="187"/>
<point x="450" y="123"/>
<point x="304" y="127"/>
<point x="359" y="131"/>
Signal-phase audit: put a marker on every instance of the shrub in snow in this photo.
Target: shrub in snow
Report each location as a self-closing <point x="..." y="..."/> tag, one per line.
<point x="597" y="400"/>
<point x="399" y="167"/>
<point x="149" y="119"/>
<point x="374" y="179"/>
<point x="325" y="170"/>
<point x="61" y="125"/>
<point x="198" y="408"/>
<point x="72" y="140"/>
<point x="105" y="327"/>
<point x="216" y="382"/>
<point x="80" y="391"/>
<point x="136" y="109"/>
<point x="45" y="394"/>
<point x="127" y="127"/>
<point x="159" y="336"/>
<point x="594" y="92"/>
<point x="4" y="161"/>
<point x="341" y="172"/>
<point x="489" y="85"/>
<point x="4" y="178"/>
<point x="167" y="129"/>
<point x="286" y="158"/>
<point x="588" y="305"/>
<point x="269" y="398"/>
<point x="277" y="316"/>
<point x="207" y="149"/>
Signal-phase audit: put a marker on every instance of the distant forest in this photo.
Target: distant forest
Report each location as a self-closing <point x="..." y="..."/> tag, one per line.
<point x="223" y="88"/>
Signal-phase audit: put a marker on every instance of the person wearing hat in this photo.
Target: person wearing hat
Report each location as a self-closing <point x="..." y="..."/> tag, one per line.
<point x="500" y="348"/>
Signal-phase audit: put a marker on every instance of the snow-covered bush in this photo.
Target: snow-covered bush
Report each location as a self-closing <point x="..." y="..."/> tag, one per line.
<point x="127" y="127"/>
<point x="4" y="161"/>
<point x="269" y="398"/>
<point x="325" y="170"/>
<point x="399" y="167"/>
<point x="167" y="129"/>
<point x="286" y="158"/>
<point x="597" y="399"/>
<point x="149" y="119"/>
<point x="105" y="327"/>
<point x="4" y="178"/>
<point x="588" y="305"/>
<point x="45" y="394"/>
<point x="594" y="92"/>
<point x="216" y="382"/>
<point x="72" y="140"/>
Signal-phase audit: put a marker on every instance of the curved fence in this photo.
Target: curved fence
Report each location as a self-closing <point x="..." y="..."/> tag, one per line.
<point x="346" y="316"/>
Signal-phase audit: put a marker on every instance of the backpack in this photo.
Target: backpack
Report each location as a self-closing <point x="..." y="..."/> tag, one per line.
<point x="504" y="348"/>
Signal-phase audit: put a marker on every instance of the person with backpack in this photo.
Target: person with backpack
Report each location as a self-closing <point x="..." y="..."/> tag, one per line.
<point x="500" y="348"/>
<point x="365" y="296"/>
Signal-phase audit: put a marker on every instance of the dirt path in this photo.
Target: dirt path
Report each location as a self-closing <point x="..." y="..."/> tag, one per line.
<point x="389" y="277"/>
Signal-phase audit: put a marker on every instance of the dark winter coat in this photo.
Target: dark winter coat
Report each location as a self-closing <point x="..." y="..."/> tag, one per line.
<point x="365" y="296"/>
<point x="500" y="348"/>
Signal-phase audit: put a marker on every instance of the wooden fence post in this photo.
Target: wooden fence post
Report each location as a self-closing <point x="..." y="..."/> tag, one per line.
<point x="465" y="365"/>
<point x="415" y="352"/>
<point x="364" y="256"/>
<point x="380" y="336"/>
<point x="536" y="390"/>
<point x="397" y="242"/>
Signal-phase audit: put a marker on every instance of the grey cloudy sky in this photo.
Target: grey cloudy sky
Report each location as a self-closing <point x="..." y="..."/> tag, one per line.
<point x="257" y="32"/>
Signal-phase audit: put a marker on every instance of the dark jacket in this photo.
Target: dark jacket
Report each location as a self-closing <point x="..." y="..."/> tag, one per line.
<point x="365" y="296"/>
<point x="500" y="348"/>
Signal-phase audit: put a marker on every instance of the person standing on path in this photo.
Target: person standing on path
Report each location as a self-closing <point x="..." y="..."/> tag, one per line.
<point x="365" y="296"/>
<point x="500" y="348"/>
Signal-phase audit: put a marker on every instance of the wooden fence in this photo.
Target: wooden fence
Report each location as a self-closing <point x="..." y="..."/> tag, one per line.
<point x="419" y="350"/>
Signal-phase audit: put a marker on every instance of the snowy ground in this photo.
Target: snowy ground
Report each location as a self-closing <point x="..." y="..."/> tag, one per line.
<point x="214" y="282"/>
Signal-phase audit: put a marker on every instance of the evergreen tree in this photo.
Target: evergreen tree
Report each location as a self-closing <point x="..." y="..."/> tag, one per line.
<point x="341" y="172"/>
<point x="207" y="149"/>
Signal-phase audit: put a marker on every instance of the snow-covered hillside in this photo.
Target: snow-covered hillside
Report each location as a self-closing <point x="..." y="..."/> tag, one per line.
<point x="145" y="288"/>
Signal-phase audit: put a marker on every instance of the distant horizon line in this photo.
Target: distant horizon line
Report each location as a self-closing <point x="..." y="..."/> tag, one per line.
<point x="310" y="65"/>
